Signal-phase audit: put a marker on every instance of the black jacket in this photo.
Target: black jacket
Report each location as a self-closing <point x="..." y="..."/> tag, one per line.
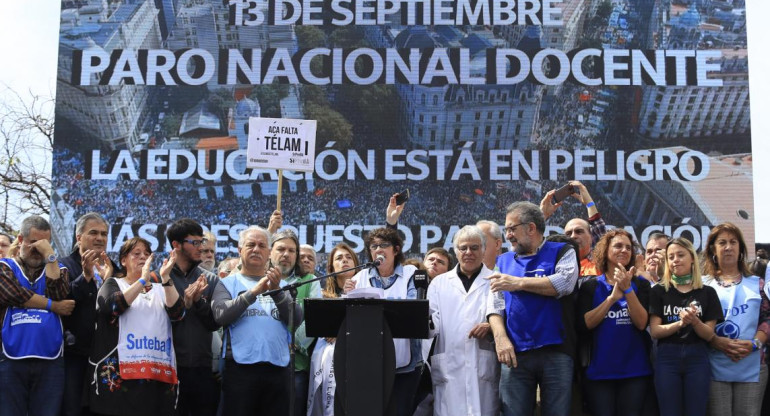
<point x="82" y="321"/>
<point x="192" y="335"/>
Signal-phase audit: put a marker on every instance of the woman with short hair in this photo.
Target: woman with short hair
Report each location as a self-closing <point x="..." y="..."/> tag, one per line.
<point x="133" y="354"/>
<point x="395" y="278"/>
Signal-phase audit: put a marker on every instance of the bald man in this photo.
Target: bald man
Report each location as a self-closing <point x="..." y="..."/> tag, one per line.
<point x="584" y="233"/>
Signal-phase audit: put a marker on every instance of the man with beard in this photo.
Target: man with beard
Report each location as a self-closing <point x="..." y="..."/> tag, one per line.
<point x="209" y="253"/>
<point x="198" y="392"/>
<point x="538" y="315"/>
<point x="30" y="324"/>
<point x="284" y="248"/>
<point x="88" y="267"/>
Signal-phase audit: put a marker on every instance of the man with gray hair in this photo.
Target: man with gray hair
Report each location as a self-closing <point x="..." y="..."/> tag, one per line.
<point x="284" y="251"/>
<point x="494" y="241"/>
<point x="33" y="288"/>
<point x="256" y="350"/>
<point x="538" y="313"/>
<point x="464" y="354"/>
<point x="88" y="267"/>
<point x="209" y="252"/>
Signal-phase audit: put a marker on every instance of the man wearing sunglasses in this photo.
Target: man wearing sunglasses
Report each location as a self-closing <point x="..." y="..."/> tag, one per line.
<point x="198" y="391"/>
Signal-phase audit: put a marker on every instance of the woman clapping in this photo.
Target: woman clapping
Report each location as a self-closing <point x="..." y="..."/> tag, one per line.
<point x="683" y="313"/>
<point x="614" y="311"/>
<point x="133" y="354"/>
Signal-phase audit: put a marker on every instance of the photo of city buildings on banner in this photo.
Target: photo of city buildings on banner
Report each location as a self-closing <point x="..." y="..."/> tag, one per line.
<point x="469" y="105"/>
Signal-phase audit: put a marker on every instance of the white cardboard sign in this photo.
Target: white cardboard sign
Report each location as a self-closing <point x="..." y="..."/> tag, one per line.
<point x="281" y="143"/>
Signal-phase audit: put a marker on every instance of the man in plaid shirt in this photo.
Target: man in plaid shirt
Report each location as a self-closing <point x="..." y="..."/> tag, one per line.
<point x="584" y="233"/>
<point x="33" y="288"/>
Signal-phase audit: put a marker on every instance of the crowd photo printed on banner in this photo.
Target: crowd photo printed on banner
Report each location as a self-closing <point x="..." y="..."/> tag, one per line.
<point x="471" y="105"/>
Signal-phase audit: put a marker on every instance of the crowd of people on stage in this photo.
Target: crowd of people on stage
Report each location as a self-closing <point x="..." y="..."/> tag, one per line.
<point x="584" y="323"/>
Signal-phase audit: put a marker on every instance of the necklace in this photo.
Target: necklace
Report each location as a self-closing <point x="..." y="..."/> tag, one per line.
<point x="721" y="280"/>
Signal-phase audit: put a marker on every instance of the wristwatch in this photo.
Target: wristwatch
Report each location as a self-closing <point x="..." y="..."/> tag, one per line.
<point x="51" y="258"/>
<point x="757" y="344"/>
<point x="169" y="283"/>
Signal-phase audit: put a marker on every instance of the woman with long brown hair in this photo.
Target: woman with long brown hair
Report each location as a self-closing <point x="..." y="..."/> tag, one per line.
<point x="323" y="384"/>
<point x="613" y="308"/>
<point x="738" y="372"/>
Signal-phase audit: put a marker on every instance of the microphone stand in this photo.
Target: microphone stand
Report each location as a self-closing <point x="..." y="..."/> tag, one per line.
<point x="292" y="289"/>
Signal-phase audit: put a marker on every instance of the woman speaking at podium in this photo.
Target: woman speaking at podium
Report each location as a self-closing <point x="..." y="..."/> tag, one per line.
<point x="395" y="278"/>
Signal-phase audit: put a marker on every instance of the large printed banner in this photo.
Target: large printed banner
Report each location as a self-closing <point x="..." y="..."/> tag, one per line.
<point x="469" y="104"/>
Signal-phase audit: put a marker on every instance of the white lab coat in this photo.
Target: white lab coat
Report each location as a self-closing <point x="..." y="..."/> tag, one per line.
<point x="465" y="371"/>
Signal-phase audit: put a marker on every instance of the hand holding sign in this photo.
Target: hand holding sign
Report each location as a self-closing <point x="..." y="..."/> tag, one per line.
<point x="281" y="143"/>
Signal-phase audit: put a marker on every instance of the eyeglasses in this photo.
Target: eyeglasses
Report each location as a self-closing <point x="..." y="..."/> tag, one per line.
<point x="474" y="247"/>
<point x="196" y="243"/>
<point x="511" y="228"/>
<point x="207" y="251"/>
<point x="375" y="246"/>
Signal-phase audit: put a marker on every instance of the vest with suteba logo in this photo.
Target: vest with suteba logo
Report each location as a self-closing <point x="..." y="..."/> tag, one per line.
<point x="31" y="333"/>
<point x="531" y="320"/>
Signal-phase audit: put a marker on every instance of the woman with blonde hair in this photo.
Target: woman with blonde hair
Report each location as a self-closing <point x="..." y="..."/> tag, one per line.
<point x="683" y="313"/>
<point x="738" y="372"/>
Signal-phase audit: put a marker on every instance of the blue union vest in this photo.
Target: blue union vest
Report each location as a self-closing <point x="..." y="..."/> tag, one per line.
<point x="741" y="304"/>
<point x="531" y="320"/>
<point x="258" y="335"/>
<point x="31" y="333"/>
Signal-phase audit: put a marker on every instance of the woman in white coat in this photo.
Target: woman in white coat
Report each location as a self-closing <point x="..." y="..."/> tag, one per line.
<point x="464" y="365"/>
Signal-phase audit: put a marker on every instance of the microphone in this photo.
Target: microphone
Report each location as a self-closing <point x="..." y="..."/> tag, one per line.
<point x="379" y="260"/>
<point x="420" y="283"/>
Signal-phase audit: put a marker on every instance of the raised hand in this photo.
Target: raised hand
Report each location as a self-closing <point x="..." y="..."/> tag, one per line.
<point x="623" y="276"/>
<point x="147" y="267"/>
<point x="194" y="292"/>
<point x="393" y="212"/>
<point x="104" y="266"/>
<point x="43" y="247"/>
<point x="276" y="221"/>
<point x="89" y="260"/>
<point x="168" y="264"/>
<point x="547" y="205"/>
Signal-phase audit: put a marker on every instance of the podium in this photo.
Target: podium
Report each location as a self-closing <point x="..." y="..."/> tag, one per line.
<point x="364" y="355"/>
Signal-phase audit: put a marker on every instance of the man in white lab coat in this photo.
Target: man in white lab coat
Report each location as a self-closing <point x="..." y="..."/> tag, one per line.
<point x="464" y="365"/>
